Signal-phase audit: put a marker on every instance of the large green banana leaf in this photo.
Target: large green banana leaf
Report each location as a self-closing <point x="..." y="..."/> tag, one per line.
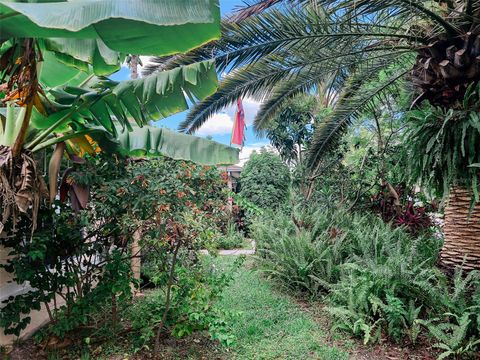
<point x="101" y="100"/>
<point x="138" y="27"/>
<point x="101" y="32"/>
<point x="154" y="141"/>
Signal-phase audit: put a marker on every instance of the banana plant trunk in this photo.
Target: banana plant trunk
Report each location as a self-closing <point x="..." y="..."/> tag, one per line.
<point x="462" y="231"/>
<point x="136" y="262"/>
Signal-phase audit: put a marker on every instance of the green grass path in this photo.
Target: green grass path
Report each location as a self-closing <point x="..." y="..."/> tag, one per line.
<point x="271" y="325"/>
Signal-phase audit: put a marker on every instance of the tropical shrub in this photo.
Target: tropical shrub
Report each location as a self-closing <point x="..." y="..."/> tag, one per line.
<point x="69" y="253"/>
<point x="84" y="257"/>
<point x="265" y="180"/>
<point x="232" y="239"/>
<point x="199" y="285"/>
<point x="415" y="216"/>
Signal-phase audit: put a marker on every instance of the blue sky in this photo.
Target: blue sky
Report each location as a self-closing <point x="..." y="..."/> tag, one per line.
<point x="219" y="126"/>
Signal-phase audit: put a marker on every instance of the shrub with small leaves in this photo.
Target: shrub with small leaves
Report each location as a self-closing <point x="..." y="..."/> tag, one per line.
<point x="198" y="287"/>
<point x="265" y="180"/>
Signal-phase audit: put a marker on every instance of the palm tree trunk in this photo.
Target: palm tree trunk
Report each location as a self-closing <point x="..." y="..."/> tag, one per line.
<point x="462" y="231"/>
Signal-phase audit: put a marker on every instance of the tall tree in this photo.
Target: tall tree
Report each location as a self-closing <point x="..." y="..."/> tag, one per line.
<point x="265" y="180"/>
<point x="291" y="130"/>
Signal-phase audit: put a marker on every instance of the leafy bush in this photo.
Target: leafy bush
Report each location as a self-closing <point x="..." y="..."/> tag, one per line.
<point x="84" y="257"/>
<point x="457" y="331"/>
<point x="378" y="281"/>
<point x="265" y="180"/>
<point x="198" y="287"/>
<point x="407" y="213"/>
<point x="319" y="243"/>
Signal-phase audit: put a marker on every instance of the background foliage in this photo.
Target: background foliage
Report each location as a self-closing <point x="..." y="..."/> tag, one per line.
<point x="265" y="180"/>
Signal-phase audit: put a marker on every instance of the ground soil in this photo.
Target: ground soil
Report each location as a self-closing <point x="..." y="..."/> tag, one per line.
<point x="198" y="346"/>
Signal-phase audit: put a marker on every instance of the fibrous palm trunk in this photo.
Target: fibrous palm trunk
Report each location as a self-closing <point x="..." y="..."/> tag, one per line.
<point x="462" y="231"/>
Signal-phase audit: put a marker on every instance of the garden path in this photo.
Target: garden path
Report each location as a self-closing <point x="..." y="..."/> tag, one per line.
<point x="234" y="252"/>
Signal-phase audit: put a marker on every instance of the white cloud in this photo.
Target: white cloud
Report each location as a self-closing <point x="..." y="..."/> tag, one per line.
<point x="218" y="124"/>
<point x="250" y="109"/>
<point x="222" y="123"/>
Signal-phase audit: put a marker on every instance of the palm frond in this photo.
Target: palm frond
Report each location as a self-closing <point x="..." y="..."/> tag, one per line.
<point x="274" y="78"/>
<point x="328" y="79"/>
<point x="292" y="29"/>
<point x="321" y="74"/>
<point x="402" y="9"/>
<point x="285" y="30"/>
<point x="276" y="73"/>
<point x="243" y="82"/>
<point x="254" y="8"/>
<point x="352" y="101"/>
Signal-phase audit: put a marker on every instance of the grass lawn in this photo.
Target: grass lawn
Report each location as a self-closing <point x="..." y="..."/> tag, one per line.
<point x="270" y="325"/>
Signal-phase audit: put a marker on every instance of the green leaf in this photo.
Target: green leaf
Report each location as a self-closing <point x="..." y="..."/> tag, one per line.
<point x="153" y="141"/>
<point x="146" y="27"/>
<point x="38" y="121"/>
<point x="13" y="118"/>
<point x="153" y="97"/>
<point x="54" y="72"/>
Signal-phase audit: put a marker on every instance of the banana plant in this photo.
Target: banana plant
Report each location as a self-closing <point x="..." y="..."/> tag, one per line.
<point x="99" y="101"/>
<point x="49" y="43"/>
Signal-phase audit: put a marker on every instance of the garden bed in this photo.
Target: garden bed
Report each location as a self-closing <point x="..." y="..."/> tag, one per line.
<point x="265" y="322"/>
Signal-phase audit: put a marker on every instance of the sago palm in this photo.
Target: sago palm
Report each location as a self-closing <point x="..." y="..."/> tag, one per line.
<point x="274" y="53"/>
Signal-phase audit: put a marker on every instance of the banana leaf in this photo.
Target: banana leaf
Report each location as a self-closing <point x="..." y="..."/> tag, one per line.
<point x="150" y="141"/>
<point x="146" y="27"/>
<point x="101" y="101"/>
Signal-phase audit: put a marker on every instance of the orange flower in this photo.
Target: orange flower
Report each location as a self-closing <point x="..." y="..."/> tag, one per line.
<point x="181" y="194"/>
<point x="164" y="208"/>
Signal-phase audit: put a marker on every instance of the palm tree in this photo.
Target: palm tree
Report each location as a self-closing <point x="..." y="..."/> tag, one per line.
<point x="275" y="53"/>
